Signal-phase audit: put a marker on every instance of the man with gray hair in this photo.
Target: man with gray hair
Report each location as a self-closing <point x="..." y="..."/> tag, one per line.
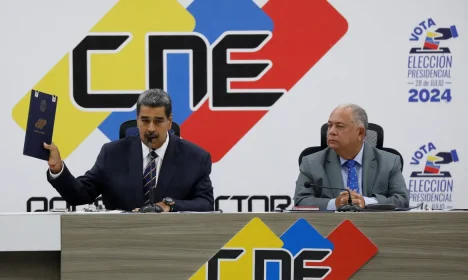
<point x="155" y="171"/>
<point x="372" y="175"/>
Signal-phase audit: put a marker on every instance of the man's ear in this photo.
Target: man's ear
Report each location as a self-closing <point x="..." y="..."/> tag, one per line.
<point x="362" y="133"/>
<point x="170" y="121"/>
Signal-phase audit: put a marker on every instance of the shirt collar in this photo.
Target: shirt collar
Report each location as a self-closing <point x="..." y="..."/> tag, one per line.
<point x="358" y="157"/>
<point x="160" y="151"/>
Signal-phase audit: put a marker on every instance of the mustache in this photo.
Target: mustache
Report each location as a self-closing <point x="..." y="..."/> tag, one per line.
<point x="151" y="135"/>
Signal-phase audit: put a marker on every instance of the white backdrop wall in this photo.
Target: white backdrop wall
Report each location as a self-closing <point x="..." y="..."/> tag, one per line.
<point x="368" y="66"/>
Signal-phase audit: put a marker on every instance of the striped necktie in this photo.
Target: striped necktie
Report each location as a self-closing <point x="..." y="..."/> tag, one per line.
<point x="149" y="177"/>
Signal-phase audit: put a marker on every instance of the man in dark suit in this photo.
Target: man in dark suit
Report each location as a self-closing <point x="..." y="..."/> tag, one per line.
<point x="372" y="175"/>
<point x="126" y="170"/>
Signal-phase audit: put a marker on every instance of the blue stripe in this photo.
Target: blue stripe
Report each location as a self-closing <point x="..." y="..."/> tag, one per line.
<point x="178" y="86"/>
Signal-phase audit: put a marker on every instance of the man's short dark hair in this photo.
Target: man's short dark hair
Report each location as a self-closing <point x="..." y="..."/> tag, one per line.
<point x="155" y="98"/>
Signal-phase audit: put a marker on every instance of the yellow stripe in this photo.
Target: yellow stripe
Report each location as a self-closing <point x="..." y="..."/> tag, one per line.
<point x="433" y="158"/>
<point x="122" y="71"/>
<point x="432" y="34"/>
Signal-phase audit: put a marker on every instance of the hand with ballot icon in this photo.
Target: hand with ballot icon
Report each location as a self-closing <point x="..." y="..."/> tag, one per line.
<point x="446" y="157"/>
<point x="447" y="33"/>
<point x="434" y="163"/>
<point x="431" y="43"/>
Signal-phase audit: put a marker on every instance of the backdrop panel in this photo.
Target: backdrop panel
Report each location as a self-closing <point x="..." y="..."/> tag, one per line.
<point x="405" y="62"/>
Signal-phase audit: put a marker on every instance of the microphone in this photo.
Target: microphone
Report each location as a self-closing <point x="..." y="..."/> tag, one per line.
<point x="151" y="208"/>
<point x="350" y="207"/>
<point x="150" y="139"/>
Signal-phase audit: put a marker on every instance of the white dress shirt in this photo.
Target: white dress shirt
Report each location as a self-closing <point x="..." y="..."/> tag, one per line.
<point x="161" y="151"/>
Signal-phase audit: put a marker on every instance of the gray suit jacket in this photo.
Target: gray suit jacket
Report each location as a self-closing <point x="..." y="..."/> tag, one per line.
<point x="381" y="178"/>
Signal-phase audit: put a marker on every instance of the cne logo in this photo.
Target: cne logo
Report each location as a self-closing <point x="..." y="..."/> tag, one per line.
<point x="225" y="63"/>
<point x="255" y="252"/>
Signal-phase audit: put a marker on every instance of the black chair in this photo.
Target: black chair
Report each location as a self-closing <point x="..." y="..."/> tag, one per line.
<point x="129" y="128"/>
<point x="374" y="137"/>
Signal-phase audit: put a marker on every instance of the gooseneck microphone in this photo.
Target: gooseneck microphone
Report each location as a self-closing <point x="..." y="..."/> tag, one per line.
<point x="350" y="207"/>
<point x="150" y="139"/>
<point x="151" y="207"/>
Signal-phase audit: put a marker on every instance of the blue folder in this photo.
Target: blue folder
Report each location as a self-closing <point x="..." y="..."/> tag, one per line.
<point x="40" y="126"/>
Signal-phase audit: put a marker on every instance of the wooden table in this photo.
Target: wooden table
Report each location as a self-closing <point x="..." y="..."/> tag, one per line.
<point x="411" y="245"/>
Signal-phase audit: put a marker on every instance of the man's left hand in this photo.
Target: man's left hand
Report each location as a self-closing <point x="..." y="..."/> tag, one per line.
<point x="163" y="205"/>
<point x="358" y="199"/>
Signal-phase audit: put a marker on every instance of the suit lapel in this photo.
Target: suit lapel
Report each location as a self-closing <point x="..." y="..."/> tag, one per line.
<point x="333" y="170"/>
<point x="135" y="170"/>
<point x="369" y="167"/>
<point x="168" y="168"/>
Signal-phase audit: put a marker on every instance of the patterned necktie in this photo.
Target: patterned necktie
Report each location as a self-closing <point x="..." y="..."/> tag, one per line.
<point x="352" y="176"/>
<point x="149" y="177"/>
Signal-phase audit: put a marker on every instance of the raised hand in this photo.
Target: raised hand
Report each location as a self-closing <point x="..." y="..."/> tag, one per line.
<point x="55" y="161"/>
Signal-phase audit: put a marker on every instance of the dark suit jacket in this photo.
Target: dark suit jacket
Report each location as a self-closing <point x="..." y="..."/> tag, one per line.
<point x="381" y="178"/>
<point x="118" y="176"/>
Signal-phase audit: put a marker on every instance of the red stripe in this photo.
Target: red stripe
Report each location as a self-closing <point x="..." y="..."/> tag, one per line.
<point x="431" y="46"/>
<point x="304" y="31"/>
<point x="347" y="238"/>
<point x="430" y="169"/>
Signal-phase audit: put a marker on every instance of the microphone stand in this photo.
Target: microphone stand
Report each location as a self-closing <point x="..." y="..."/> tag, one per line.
<point x="151" y="208"/>
<point x="350" y="207"/>
<point x="151" y="174"/>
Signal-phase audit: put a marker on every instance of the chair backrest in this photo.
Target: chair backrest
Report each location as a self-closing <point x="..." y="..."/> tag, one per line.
<point x="374" y="137"/>
<point x="309" y="151"/>
<point x="395" y="152"/>
<point x="129" y="128"/>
